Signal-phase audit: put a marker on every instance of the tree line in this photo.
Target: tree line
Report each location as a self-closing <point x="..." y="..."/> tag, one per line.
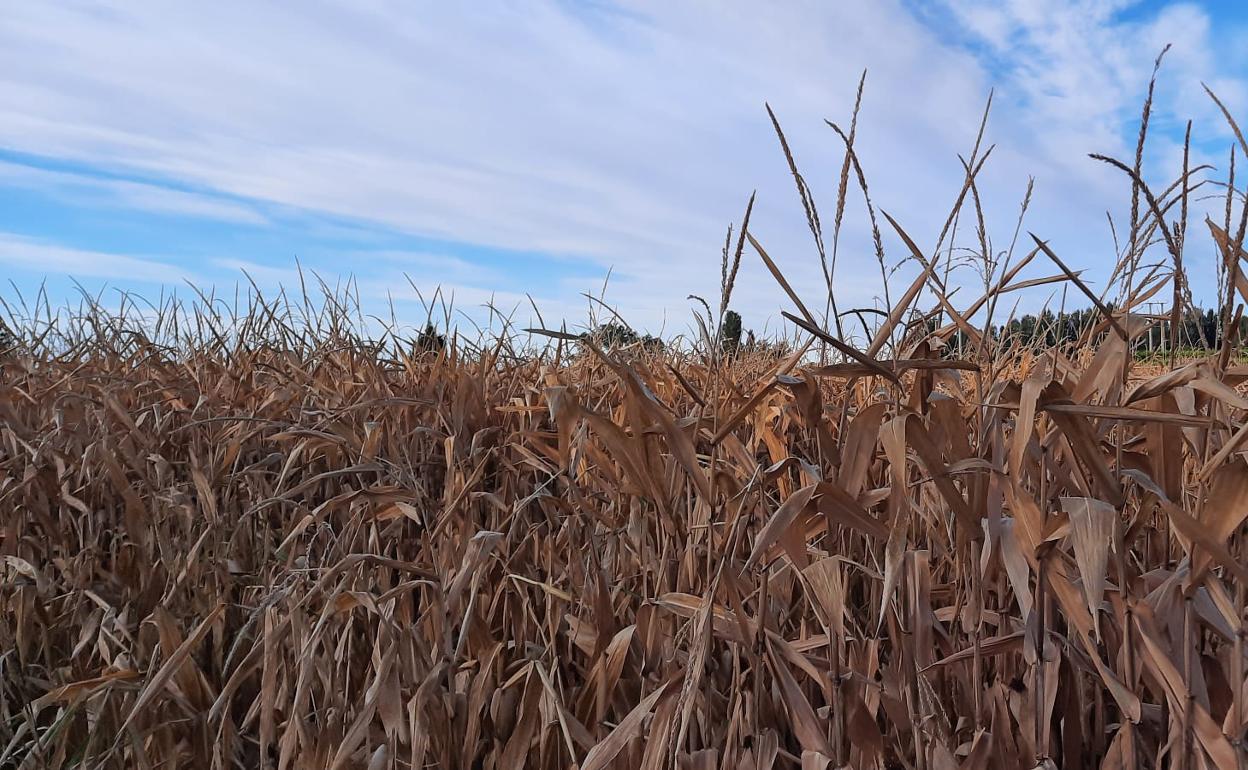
<point x="1198" y="329"/>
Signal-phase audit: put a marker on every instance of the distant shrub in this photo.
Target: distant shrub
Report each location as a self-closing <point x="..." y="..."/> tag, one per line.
<point x="8" y="340"/>
<point x="618" y="335"/>
<point x="430" y="341"/>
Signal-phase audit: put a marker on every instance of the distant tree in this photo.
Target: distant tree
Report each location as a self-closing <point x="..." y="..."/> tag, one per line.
<point x="429" y="341"/>
<point x="612" y="334"/>
<point x="1209" y="327"/>
<point x="765" y="347"/>
<point x="1197" y="328"/>
<point x="618" y="335"/>
<point x="730" y="332"/>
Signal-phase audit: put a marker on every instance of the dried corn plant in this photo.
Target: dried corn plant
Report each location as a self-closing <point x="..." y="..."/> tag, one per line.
<point x="257" y="539"/>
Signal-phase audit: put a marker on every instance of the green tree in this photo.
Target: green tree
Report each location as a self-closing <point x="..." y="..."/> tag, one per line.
<point x="730" y="332"/>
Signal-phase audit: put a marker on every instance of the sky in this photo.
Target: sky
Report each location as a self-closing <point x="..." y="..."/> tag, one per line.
<point x="525" y="154"/>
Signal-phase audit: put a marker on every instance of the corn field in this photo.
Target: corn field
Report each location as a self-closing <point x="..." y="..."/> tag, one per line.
<point x="257" y="539"/>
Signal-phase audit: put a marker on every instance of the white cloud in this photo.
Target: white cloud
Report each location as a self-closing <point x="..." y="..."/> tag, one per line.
<point x="624" y="137"/>
<point x="37" y="257"/>
<point x="397" y="278"/>
<point x="1083" y="65"/>
<point x="109" y="192"/>
<point x="428" y="266"/>
<point x="1081" y="69"/>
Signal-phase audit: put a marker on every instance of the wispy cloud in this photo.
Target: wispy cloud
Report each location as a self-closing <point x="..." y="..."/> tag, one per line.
<point x="603" y="136"/>
<point x="38" y="257"/>
<point x="392" y="279"/>
<point x="1083" y="64"/>
<point x="110" y="193"/>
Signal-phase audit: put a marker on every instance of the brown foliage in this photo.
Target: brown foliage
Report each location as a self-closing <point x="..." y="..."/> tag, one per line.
<point x="272" y="545"/>
<point x="253" y="557"/>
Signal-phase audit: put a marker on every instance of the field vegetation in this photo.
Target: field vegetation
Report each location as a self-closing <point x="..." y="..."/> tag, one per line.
<point x="266" y="536"/>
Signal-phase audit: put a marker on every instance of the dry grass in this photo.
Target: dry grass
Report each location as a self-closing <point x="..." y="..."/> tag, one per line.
<point x="261" y="541"/>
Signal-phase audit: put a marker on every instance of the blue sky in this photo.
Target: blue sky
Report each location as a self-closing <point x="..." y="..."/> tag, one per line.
<point x="500" y="150"/>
